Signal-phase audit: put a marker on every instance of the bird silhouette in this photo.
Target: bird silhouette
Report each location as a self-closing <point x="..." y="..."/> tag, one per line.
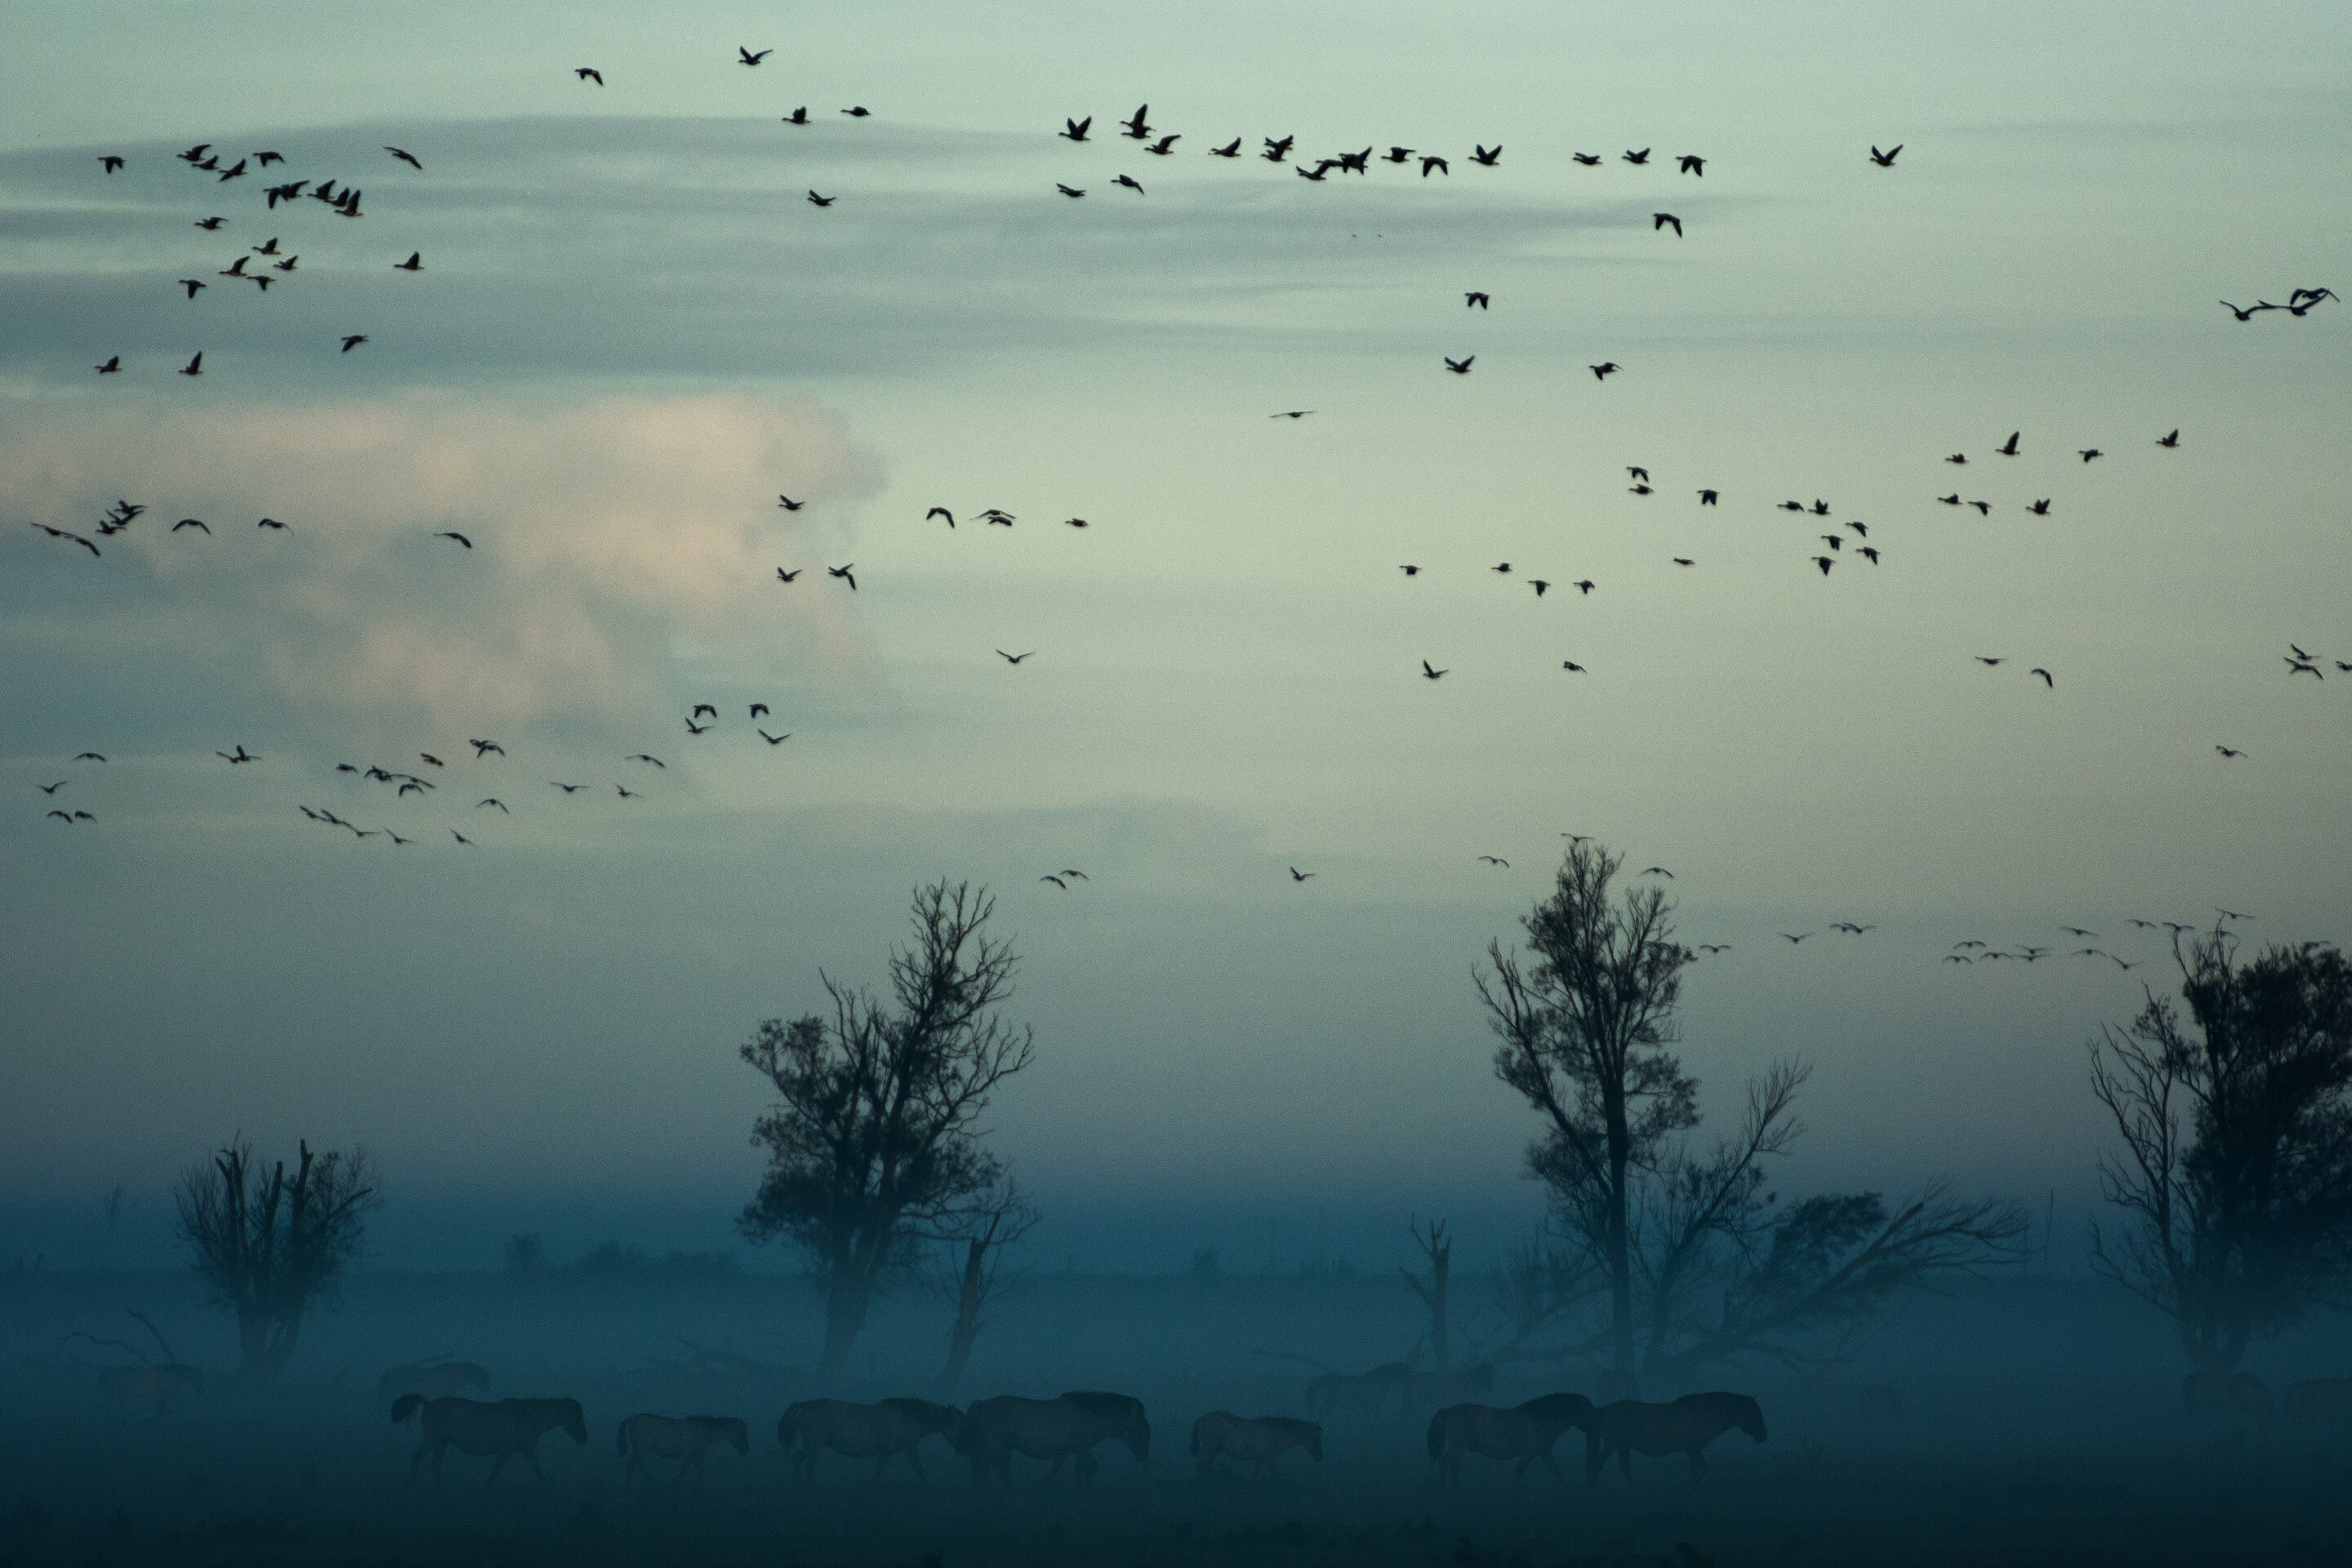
<point x="1298" y="876"/>
<point x="1706" y="498"/>
<point x="194" y="522"/>
<point x="844" y="574"/>
<point x="493" y="800"/>
<point x="2009" y="447"/>
<point x="2088" y="453"/>
<point x="941" y="511"/>
<point x="1585" y="586"/>
<point x="1128" y="182"/>
<point x="1459" y="366"/>
<point x="405" y="157"/>
<point x="353" y="341"/>
<point x="745" y="56"/>
<point x="239" y="755"/>
<point x="1476" y="298"/>
<point x="1232" y="149"/>
<point x="1072" y="192"/>
<point x="1164" y="147"/>
<point x="702" y="707"/>
<point x="2047" y="679"/>
<point x="1496" y="860"/>
<point x="1660" y="220"/>
<point x="1276" y="151"/>
<point x="798" y="116"/>
<point x="1075" y="130"/>
<point x="1539" y="585"/>
<point x="694" y="729"/>
<point x="643" y="757"/>
<point x="1792" y="941"/>
<point x="1590" y="159"/>
<point x="1487" y="157"/>
<point x="66" y="534"/>
<point x="484" y="748"/>
<point x="818" y="201"/>
<point x="1135" y="128"/>
<point x="789" y="504"/>
<point x="452" y="533"/>
<point x="89" y="757"/>
<point x="775" y="739"/>
<point x="1410" y="571"/>
<point x="112" y="366"/>
<point x="1958" y="457"/>
<point x="1685" y="561"/>
<point x="2171" y="440"/>
<point x="195" y="367"/>
<point x="51" y="789"/>
<point x="1657" y="871"/>
<point x="1604" y="370"/>
<point x="566" y="788"/>
<point x="1572" y="667"/>
<point x="1643" y="156"/>
<point x="1429" y="674"/>
<point x="1440" y="165"/>
<point x="192" y="285"/>
<point x="759" y="710"/>
<point x="2039" y="508"/>
<point x="1291" y="413"/>
<point x="785" y="576"/>
<point x="1885" y="160"/>
<point x="857" y="111"/>
<point x="1056" y="881"/>
<point x="1016" y="657"/>
<point x="416" y="263"/>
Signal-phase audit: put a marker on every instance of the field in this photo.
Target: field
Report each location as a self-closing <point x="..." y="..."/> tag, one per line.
<point x="1990" y="1458"/>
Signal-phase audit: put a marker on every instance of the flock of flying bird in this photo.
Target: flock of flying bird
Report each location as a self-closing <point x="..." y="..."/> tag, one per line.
<point x="269" y="262"/>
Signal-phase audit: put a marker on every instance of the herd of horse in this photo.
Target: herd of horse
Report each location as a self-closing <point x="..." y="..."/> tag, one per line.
<point x="1068" y="1429"/>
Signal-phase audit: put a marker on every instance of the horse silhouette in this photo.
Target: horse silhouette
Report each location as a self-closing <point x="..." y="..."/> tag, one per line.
<point x="680" y="1437"/>
<point x="1526" y="1432"/>
<point x="874" y="1431"/>
<point x="1687" y="1425"/>
<point x="1256" y="1441"/>
<point x="501" y="1430"/>
<point x="1059" y="1429"/>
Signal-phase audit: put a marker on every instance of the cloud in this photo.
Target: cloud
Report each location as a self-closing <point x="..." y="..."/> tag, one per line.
<point x="606" y="535"/>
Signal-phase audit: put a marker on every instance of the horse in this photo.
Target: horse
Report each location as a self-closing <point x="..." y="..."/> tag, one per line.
<point x="863" y="1431"/>
<point x="1359" y="1395"/>
<point x="1629" y="1426"/>
<point x="1259" y="1440"/>
<point x="436" y="1379"/>
<point x="680" y="1437"/>
<point x="156" y="1385"/>
<point x="993" y="1430"/>
<point x="508" y="1427"/>
<point x="1526" y="1432"/>
<point x="1432" y="1389"/>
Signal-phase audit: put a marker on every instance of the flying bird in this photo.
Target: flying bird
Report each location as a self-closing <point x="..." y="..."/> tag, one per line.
<point x="1590" y="159"/>
<point x="1232" y="149"/>
<point x="2047" y="680"/>
<point x="1660" y="220"/>
<point x="194" y="366"/>
<point x="818" y="201"/>
<point x="1128" y="182"/>
<point x="1459" y="366"/>
<point x="1487" y="157"/>
<point x="775" y="739"/>
<point x="64" y="533"/>
<point x="1792" y="941"/>
<point x="484" y="748"/>
<point x="2171" y="440"/>
<point x="1641" y="157"/>
<point x="1135" y="127"/>
<point x="642" y="757"/>
<point x="789" y="504"/>
<point x="1657" y="871"/>
<point x="194" y="523"/>
<point x="759" y="710"/>
<point x="192" y="285"/>
<point x="1164" y="147"/>
<point x="1496" y="860"/>
<point x="785" y="576"/>
<point x="1075" y="130"/>
<point x="1604" y="370"/>
<point x="1440" y="165"/>
<point x="1885" y="160"/>
<point x="941" y="511"/>
<point x="416" y="263"/>
<point x="405" y="157"/>
<point x="352" y="341"/>
<point x="239" y="755"/>
<point x="798" y="116"/>
<point x="1016" y="657"/>
<point x="1298" y="876"/>
<point x="589" y="73"/>
<point x="1706" y="498"/>
<point x="844" y="574"/>
<point x="452" y="533"/>
<point x="2088" y="453"/>
<point x="1429" y="674"/>
<point x="1476" y="298"/>
<point x="857" y="111"/>
<point x="1572" y="667"/>
<point x="1056" y="881"/>
<point x="745" y="56"/>
<point x="110" y="162"/>
<point x="1072" y="192"/>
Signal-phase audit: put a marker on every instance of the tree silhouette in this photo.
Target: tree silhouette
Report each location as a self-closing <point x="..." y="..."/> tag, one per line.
<point x="2235" y="1174"/>
<point x="272" y="1245"/>
<point x="990" y="1226"/>
<point x="873" y="1142"/>
<point x="1700" y="1261"/>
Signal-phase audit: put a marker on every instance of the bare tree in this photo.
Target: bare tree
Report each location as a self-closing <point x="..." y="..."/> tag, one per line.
<point x="273" y="1244"/>
<point x="981" y="1235"/>
<point x="874" y="1140"/>
<point x="1701" y="1262"/>
<point x="2235" y="1174"/>
<point x="1434" y="1285"/>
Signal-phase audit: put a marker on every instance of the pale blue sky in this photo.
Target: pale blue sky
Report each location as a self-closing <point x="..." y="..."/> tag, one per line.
<point x="632" y="332"/>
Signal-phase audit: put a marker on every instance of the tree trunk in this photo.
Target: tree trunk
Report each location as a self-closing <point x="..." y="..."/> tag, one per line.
<point x="1620" y="1261"/>
<point x="972" y="1293"/>
<point x="844" y="1317"/>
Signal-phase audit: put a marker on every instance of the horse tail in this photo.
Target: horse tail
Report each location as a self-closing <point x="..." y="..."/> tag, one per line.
<point x="1437" y="1437"/>
<point x="403" y="1406"/>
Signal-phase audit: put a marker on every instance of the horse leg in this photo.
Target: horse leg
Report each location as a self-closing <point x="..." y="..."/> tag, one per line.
<point x="1085" y="1467"/>
<point x="498" y="1464"/>
<point x="1553" y="1464"/>
<point x="530" y="1454"/>
<point x="418" y="1463"/>
<point x="915" y="1463"/>
<point x="1697" y="1465"/>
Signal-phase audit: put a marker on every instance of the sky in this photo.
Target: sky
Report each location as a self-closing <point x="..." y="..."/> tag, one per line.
<point x="632" y="332"/>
